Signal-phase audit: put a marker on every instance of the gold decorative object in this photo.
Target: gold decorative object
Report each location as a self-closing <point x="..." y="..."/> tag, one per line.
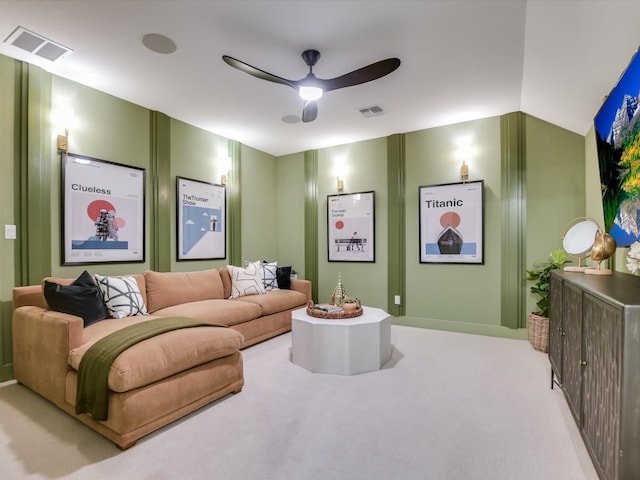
<point x="338" y="293"/>
<point x="603" y="247"/>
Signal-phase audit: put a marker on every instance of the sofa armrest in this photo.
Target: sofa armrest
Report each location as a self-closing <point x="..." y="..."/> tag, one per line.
<point x="29" y="295"/>
<point x="302" y="286"/>
<point x="42" y="340"/>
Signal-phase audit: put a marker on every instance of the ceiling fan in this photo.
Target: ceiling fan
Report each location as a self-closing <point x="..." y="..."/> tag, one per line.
<point x="311" y="88"/>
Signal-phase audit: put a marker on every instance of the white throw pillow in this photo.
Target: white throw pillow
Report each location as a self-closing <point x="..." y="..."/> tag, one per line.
<point x="269" y="275"/>
<point x="121" y="296"/>
<point x="246" y="281"/>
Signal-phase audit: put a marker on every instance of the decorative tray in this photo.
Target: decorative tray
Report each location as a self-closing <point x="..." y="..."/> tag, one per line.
<point x="328" y="311"/>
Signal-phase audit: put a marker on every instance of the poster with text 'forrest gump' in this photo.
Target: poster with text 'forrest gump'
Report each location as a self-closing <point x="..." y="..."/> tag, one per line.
<point x="350" y="227"/>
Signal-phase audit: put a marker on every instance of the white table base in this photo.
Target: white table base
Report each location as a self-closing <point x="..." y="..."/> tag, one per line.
<point x="341" y="346"/>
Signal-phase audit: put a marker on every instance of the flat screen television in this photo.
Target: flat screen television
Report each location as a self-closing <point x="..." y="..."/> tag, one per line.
<point x="617" y="127"/>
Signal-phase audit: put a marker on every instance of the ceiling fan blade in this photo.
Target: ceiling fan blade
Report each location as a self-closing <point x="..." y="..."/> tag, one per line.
<point x="309" y="112"/>
<point x="362" y="75"/>
<point x="256" y="72"/>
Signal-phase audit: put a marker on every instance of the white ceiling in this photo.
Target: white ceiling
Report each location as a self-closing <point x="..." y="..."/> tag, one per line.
<point x="461" y="60"/>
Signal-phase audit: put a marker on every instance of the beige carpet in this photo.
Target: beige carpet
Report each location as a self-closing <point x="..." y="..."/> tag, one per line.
<point x="448" y="406"/>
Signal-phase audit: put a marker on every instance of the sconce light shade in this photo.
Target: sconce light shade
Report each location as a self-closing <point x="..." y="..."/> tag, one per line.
<point x="63" y="142"/>
<point x="464" y="171"/>
<point x="223" y="179"/>
<point x="340" y="184"/>
<point x="63" y="118"/>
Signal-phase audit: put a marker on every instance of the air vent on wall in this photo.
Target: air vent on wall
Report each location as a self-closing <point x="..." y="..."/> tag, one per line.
<point x="372" y="111"/>
<point x="37" y="44"/>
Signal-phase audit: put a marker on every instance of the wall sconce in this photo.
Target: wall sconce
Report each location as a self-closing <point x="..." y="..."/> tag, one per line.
<point x="63" y="141"/>
<point x="340" y="184"/>
<point x="464" y="172"/>
<point x="63" y="118"/>
<point x="224" y="167"/>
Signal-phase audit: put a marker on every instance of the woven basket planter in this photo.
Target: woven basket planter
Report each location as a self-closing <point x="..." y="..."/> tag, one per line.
<point x="539" y="332"/>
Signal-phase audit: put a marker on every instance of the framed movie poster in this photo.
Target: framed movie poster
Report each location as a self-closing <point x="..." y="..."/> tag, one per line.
<point x="451" y="223"/>
<point x="350" y="227"/>
<point x="103" y="211"/>
<point x="201" y="217"/>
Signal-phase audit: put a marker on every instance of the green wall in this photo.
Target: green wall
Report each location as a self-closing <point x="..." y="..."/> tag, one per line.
<point x="106" y="128"/>
<point x="364" y="170"/>
<point x="277" y="207"/>
<point x="555" y="182"/>
<point x="445" y="295"/>
<point x="198" y="155"/>
<point x="290" y="212"/>
<point x="259" y="215"/>
<point x="546" y="161"/>
<point x="7" y="213"/>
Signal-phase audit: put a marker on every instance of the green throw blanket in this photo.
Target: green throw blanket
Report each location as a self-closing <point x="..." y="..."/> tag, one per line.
<point x="92" y="394"/>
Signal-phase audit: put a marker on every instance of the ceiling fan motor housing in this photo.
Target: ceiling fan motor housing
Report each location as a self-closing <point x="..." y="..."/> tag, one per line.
<point x="310" y="57"/>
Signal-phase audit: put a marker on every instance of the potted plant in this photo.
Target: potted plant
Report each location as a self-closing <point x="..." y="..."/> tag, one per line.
<point x="350" y="304"/>
<point x="540" y="273"/>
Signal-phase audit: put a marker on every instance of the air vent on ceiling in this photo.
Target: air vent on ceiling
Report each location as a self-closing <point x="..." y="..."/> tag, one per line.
<point x="372" y="111"/>
<point x="37" y="44"/>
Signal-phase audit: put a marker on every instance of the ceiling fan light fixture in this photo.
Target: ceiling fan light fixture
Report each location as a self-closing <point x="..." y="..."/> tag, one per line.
<point x="311" y="88"/>
<point x="310" y="93"/>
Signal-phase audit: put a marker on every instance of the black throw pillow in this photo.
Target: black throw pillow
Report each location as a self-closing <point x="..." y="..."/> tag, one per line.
<point x="283" y="276"/>
<point x="82" y="298"/>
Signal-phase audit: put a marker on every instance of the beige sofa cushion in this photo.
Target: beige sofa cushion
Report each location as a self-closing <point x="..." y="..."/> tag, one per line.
<point x="159" y="357"/>
<point x="225" y="312"/>
<point x="165" y="289"/>
<point x="225" y="275"/>
<point x="275" y="301"/>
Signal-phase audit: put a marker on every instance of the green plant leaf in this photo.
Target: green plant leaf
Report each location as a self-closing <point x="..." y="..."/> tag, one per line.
<point x="540" y="273"/>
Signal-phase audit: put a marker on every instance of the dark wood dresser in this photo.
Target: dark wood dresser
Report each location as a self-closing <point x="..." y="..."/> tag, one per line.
<point x="594" y="350"/>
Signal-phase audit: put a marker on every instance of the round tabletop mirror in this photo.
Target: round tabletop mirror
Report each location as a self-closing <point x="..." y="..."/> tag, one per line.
<point x="578" y="240"/>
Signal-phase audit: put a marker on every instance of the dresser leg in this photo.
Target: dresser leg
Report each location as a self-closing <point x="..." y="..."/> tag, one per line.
<point x="553" y="379"/>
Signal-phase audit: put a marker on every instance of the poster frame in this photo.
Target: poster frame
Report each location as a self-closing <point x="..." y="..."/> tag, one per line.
<point x="76" y="246"/>
<point x="463" y="201"/>
<point x="199" y="190"/>
<point x="344" y="210"/>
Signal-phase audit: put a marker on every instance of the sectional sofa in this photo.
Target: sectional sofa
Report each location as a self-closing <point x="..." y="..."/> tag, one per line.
<point x="162" y="378"/>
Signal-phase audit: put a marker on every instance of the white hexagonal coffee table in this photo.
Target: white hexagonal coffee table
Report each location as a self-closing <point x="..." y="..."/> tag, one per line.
<point x="341" y="346"/>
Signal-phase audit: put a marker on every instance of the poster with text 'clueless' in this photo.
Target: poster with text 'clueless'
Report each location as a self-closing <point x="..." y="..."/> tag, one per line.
<point x="451" y="223"/>
<point x="103" y="211"/>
